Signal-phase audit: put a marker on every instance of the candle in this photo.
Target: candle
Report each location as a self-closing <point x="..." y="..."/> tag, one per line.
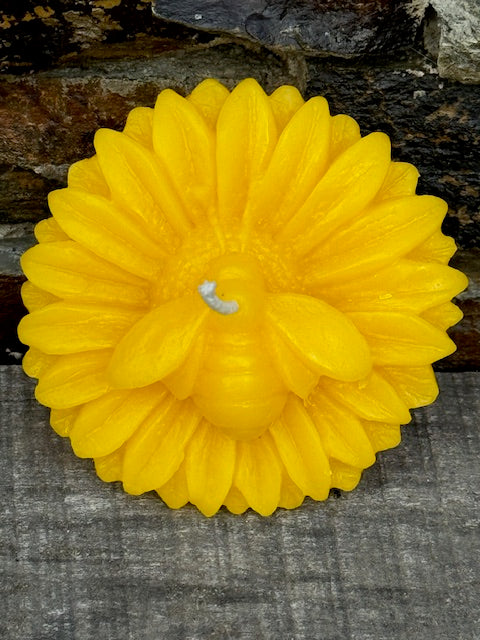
<point x="237" y="300"/>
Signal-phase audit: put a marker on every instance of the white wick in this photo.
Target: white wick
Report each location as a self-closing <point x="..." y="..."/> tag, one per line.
<point x="207" y="291"/>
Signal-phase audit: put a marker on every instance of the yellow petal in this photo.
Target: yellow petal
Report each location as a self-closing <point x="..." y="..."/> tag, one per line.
<point x="416" y="386"/>
<point x="209" y="465"/>
<point x="98" y="225"/>
<point x="74" y="379"/>
<point x="175" y="492"/>
<point x="138" y="182"/>
<point x="291" y="496"/>
<point x="372" y="399"/>
<point x="246" y="138"/>
<point x="297" y="164"/>
<point x="324" y="338"/>
<point x="62" y="420"/>
<point x="400" y="339"/>
<point x="340" y="430"/>
<point x="350" y="183"/>
<point x="86" y="175"/>
<point x="401" y="180"/>
<point x="208" y="98"/>
<point x="301" y="450"/>
<point x="156" y="450"/>
<point x="49" y="230"/>
<point x="235" y="502"/>
<point x="436" y="248"/>
<point x="258" y="474"/>
<point x="66" y="327"/>
<point x="382" y="233"/>
<point x="344" y="476"/>
<point x="345" y="133"/>
<point x="104" y="424"/>
<point x="139" y="126"/>
<point x="186" y="146"/>
<point x="406" y="286"/>
<point x="35" y="362"/>
<point x="109" y="467"/>
<point x="285" y="101"/>
<point x="159" y="342"/>
<point x="35" y="298"/>
<point x="443" y="316"/>
<point x="68" y="270"/>
<point x="382" y="435"/>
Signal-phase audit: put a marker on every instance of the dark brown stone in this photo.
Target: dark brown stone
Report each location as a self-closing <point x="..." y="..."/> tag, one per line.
<point x="49" y="118"/>
<point x="36" y="34"/>
<point x="348" y="28"/>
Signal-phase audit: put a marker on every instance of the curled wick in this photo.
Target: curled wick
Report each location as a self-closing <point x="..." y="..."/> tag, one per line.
<point x="207" y="291"/>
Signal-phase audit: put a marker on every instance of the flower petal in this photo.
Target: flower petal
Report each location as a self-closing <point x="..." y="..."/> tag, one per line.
<point x="99" y="225"/>
<point x="35" y="362"/>
<point x="74" y="379"/>
<point x="209" y="466"/>
<point x="186" y="147"/>
<point x="345" y="133"/>
<point x="67" y="327"/>
<point x="301" y="450"/>
<point x="443" y="316"/>
<point x="380" y="235"/>
<point x="208" y="98"/>
<point x="109" y="467"/>
<point x="297" y="163"/>
<point x="344" y="476"/>
<point x="62" y="420"/>
<point x="406" y="286"/>
<point x="68" y="270"/>
<point x="35" y="298"/>
<point x="382" y="435"/>
<point x="324" y="338"/>
<point x="285" y="102"/>
<point x="49" y="230"/>
<point x="86" y="175"/>
<point x="400" y="339"/>
<point x="175" y="492"/>
<point x="436" y="248"/>
<point x="138" y="182"/>
<point x="104" y="424"/>
<point x="401" y="180"/>
<point x="340" y="430"/>
<point x="291" y="496"/>
<point x="258" y="474"/>
<point x="350" y="183"/>
<point x="156" y="450"/>
<point x="159" y="342"/>
<point x="372" y="399"/>
<point x="416" y="386"/>
<point x="246" y="138"/>
<point x="139" y="126"/>
<point x="235" y="502"/>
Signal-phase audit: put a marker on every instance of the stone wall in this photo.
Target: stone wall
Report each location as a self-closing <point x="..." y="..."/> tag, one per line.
<point x="410" y="68"/>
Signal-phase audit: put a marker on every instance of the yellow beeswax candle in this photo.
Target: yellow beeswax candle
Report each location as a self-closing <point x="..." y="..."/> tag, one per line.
<point x="237" y="300"/>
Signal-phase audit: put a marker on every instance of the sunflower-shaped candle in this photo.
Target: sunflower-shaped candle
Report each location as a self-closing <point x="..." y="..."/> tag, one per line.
<point x="237" y="300"/>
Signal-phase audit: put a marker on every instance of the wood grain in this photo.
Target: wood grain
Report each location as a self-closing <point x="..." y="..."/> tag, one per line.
<point x="395" y="559"/>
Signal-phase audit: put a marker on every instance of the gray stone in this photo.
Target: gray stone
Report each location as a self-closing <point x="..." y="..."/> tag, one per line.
<point x="459" y="39"/>
<point x="348" y="28"/>
<point x="397" y="558"/>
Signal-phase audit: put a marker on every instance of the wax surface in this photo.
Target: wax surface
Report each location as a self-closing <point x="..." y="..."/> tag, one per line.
<point x="327" y="299"/>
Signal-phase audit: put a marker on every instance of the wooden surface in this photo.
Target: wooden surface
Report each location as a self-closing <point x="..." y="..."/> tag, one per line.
<point x="396" y="559"/>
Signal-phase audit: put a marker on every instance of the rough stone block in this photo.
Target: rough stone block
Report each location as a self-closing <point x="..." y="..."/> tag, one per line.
<point x="347" y="28"/>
